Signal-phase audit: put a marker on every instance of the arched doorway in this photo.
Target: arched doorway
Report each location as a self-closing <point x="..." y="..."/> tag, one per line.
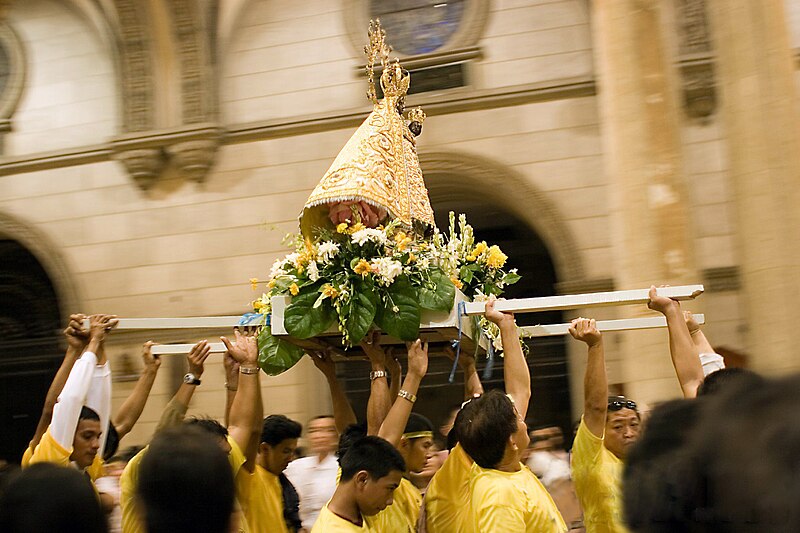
<point x="30" y="320"/>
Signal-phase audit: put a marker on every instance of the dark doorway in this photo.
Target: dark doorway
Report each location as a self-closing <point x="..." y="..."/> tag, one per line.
<point x="550" y="399"/>
<point x="29" y="345"/>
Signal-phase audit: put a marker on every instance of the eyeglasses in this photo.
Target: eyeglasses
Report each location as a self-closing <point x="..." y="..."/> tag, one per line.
<point x="617" y="403"/>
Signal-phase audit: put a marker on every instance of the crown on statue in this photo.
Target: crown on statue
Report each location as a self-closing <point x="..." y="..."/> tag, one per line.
<point x="376" y="176"/>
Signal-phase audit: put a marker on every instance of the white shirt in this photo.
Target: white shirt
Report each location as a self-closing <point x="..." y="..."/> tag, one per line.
<point x="315" y="483"/>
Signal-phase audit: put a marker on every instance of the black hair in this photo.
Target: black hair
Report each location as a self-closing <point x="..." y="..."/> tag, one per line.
<point x="459" y="423"/>
<point x="372" y="454"/>
<point x="126" y="454"/>
<point x="46" y="497"/>
<point x="487" y="430"/>
<point x="186" y="483"/>
<point x="721" y="379"/>
<point x="417" y="423"/>
<point x="278" y="428"/>
<point x="112" y="442"/>
<point x="320" y="416"/>
<point x="351" y="434"/>
<point x="87" y="413"/>
<point x="210" y="425"/>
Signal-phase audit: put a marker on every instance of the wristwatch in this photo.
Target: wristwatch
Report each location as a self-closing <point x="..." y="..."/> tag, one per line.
<point x="375" y="374"/>
<point x="191" y="379"/>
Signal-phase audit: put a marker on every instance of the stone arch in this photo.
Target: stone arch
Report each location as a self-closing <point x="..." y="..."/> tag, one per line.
<point x="49" y="256"/>
<point x="461" y="173"/>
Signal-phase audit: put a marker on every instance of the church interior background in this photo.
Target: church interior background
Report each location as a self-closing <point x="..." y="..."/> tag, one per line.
<point x="153" y="154"/>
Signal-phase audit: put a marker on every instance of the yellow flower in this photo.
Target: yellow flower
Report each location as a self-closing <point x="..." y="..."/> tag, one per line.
<point x="294" y="289"/>
<point x="479" y="249"/>
<point x="254" y="283"/>
<point x="495" y="258"/>
<point x="357" y="227"/>
<point x="329" y="291"/>
<point x="411" y="257"/>
<point x="362" y="267"/>
<point x="271" y="284"/>
<point x="341" y="228"/>
<point x="456" y="282"/>
<point x="470" y="257"/>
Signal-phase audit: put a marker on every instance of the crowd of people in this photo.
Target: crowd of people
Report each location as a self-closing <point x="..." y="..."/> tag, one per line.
<point x="724" y="458"/>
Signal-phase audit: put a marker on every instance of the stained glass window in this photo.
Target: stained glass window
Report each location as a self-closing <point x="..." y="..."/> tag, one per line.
<point x="418" y="26"/>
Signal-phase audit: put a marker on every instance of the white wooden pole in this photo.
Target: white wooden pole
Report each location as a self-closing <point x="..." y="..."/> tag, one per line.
<point x="625" y="324"/>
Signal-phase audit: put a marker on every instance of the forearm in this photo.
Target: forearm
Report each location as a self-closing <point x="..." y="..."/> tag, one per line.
<point x="394" y="384"/>
<point x="701" y="342"/>
<point x="71" y="400"/>
<point x="395" y="422"/>
<point x="685" y="357"/>
<point x="175" y="410"/>
<point x="343" y="414"/>
<point x="379" y="401"/>
<point x="595" y="389"/>
<point x="55" y="389"/>
<point x="230" y="396"/>
<point x="516" y="374"/>
<point x="98" y="398"/>
<point x="246" y="412"/>
<point x="132" y="407"/>
<point x="472" y="382"/>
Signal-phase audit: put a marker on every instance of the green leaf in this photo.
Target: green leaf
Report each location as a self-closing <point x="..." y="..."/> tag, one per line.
<point x="511" y="278"/>
<point x="465" y="274"/>
<point x="400" y="315"/>
<point x="361" y="310"/>
<point x="276" y="356"/>
<point x="302" y="320"/>
<point x="440" y="297"/>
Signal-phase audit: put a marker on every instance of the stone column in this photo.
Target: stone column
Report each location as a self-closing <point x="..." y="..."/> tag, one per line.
<point x="760" y="110"/>
<point x="639" y="110"/>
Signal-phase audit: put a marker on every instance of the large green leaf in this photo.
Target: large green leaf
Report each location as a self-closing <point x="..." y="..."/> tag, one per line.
<point x="400" y="315"/>
<point x="302" y="320"/>
<point x="362" y="306"/>
<point x="276" y="356"/>
<point x="439" y="294"/>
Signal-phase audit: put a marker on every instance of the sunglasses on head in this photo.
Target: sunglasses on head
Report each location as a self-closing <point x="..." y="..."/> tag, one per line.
<point x="619" y="402"/>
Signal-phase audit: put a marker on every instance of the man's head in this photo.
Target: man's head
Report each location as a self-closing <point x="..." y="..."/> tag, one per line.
<point x="374" y="468"/>
<point x="494" y="433"/>
<point x="278" y="441"/>
<point x="213" y="428"/>
<point x="622" y="425"/>
<point x="724" y="378"/>
<point x="86" y="442"/>
<point x="416" y="442"/>
<point x="322" y="435"/>
<point x="185" y="482"/>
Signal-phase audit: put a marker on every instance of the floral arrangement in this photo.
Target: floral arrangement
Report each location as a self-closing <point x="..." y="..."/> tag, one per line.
<point x="359" y="277"/>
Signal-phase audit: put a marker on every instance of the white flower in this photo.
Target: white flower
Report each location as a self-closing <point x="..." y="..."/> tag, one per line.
<point x="369" y="234"/>
<point x="387" y="269"/>
<point x="277" y="269"/>
<point x="293" y="259"/>
<point x="327" y="250"/>
<point x="498" y="344"/>
<point x="313" y="271"/>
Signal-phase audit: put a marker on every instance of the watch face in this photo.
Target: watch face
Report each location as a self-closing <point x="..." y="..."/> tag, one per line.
<point x="189" y="378"/>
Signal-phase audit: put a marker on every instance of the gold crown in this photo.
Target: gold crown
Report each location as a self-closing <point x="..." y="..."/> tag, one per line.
<point x="378" y="166"/>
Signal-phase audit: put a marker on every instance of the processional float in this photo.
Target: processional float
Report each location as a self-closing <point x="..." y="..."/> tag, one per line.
<point x="369" y="256"/>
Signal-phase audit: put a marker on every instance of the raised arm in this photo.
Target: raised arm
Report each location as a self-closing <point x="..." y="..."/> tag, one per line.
<point x="595" y="381"/>
<point x="395" y="423"/>
<point x="685" y="357"/>
<point x="175" y="411"/>
<point x="77" y="339"/>
<point x="246" y="411"/>
<point x="231" y="383"/>
<point x="379" y="399"/>
<point x="395" y="372"/>
<point x="472" y="381"/>
<point x="516" y="374"/>
<point x="343" y="414"/>
<point x="131" y="409"/>
<point x="709" y="359"/>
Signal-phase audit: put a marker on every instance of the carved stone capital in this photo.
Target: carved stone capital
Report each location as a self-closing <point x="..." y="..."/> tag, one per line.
<point x="144" y="165"/>
<point x="194" y="158"/>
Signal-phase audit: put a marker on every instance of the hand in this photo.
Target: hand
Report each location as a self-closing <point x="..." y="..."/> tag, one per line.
<point x="231" y="366"/>
<point x="585" y="329"/>
<point x="498" y="317"/>
<point x="662" y="304"/>
<point x="691" y="323"/>
<point x="466" y="359"/>
<point x="244" y="349"/>
<point x="417" y="358"/>
<point x="151" y="362"/>
<point x="324" y="362"/>
<point x="100" y="325"/>
<point x="371" y="346"/>
<point x="77" y="337"/>
<point x="197" y="357"/>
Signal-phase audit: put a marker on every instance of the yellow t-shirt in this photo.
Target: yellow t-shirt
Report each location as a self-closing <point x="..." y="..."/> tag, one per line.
<point x="131" y="520"/>
<point x="261" y="499"/>
<point x="597" y="474"/>
<point x="512" y="501"/>
<point x="328" y="522"/>
<point x="447" y="501"/>
<point x="402" y="515"/>
<point x="50" y="451"/>
<point x="26" y="457"/>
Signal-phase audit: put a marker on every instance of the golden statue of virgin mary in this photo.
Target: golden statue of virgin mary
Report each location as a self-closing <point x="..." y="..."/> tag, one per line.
<point x="376" y="177"/>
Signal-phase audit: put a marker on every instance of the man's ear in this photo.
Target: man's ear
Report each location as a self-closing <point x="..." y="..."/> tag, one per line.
<point x="361" y="478"/>
<point x="404" y="443"/>
<point x="264" y="447"/>
<point x="512" y="442"/>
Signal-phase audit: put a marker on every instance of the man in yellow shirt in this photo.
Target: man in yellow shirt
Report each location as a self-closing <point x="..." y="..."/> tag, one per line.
<point x="371" y="471"/>
<point x="504" y="494"/>
<point x="608" y="428"/>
